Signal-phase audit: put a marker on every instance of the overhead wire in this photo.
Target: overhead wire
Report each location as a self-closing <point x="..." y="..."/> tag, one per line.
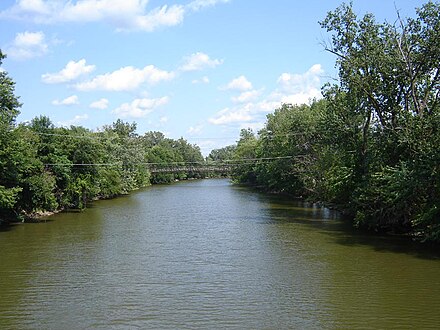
<point x="242" y="161"/>
<point x="267" y="135"/>
<point x="230" y="162"/>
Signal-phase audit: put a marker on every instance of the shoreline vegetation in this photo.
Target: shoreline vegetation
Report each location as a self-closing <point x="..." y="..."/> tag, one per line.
<point x="369" y="147"/>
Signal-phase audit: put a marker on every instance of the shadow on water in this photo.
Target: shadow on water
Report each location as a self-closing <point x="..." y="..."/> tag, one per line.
<point x="4" y="227"/>
<point x="388" y="243"/>
<point x="14" y="224"/>
<point x="341" y="231"/>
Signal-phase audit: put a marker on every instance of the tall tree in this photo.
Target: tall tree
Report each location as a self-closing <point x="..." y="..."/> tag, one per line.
<point x="9" y="110"/>
<point x="389" y="88"/>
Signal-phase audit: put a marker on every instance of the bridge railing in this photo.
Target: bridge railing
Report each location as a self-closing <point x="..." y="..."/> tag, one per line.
<point x="178" y="167"/>
<point x="225" y="168"/>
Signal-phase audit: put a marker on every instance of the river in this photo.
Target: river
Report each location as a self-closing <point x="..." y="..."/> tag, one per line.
<point x="209" y="255"/>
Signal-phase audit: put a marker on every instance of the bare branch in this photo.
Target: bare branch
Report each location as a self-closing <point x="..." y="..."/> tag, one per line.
<point x="335" y="53"/>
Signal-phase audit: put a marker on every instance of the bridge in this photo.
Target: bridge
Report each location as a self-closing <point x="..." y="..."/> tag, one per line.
<point x="201" y="168"/>
<point x="207" y="167"/>
<point x="178" y="167"/>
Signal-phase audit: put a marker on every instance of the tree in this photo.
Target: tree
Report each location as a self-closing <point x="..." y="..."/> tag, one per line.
<point x="9" y="103"/>
<point x="9" y="110"/>
<point x="222" y="154"/>
<point x="389" y="88"/>
<point x="289" y="134"/>
<point x="123" y="129"/>
<point x="370" y="148"/>
<point x="389" y="74"/>
<point x="246" y="149"/>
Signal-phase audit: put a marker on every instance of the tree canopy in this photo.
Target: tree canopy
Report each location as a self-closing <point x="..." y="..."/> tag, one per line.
<point x="370" y="147"/>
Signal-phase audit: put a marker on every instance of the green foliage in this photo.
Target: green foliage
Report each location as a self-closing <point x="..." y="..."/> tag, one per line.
<point x="287" y="141"/>
<point x="8" y="199"/>
<point x="44" y="168"/>
<point x="246" y="149"/>
<point x="38" y="193"/>
<point x="222" y="154"/>
<point x="386" y="200"/>
<point x="80" y="190"/>
<point x="9" y="103"/>
<point x="427" y="224"/>
<point x="390" y="88"/>
<point x="161" y="151"/>
<point x="335" y="182"/>
<point x="370" y="147"/>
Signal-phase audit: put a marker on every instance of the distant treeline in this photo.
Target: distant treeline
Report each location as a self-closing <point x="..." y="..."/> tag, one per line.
<point x="371" y="147"/>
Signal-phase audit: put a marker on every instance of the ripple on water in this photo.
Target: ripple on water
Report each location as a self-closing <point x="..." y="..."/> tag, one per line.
<point x="205" y="254"/>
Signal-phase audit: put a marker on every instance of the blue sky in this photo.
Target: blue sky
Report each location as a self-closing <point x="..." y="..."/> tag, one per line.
<point x="198" y="69"/>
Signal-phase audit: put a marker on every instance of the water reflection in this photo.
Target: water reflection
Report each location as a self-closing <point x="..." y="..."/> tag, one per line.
<point x="370" y="277"/>
<point x="205" y="254"/>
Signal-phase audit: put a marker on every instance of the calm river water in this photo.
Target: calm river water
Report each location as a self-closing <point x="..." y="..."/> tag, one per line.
<point x="209" y="255"/>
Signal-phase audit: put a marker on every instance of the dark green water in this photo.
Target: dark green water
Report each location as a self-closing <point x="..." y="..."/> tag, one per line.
<point x="208" y="255"/>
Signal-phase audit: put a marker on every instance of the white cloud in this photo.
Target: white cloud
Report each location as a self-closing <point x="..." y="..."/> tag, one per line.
<point x="101" y="104"/>
<point x="124" y="15"/>
<point x="240" y="84"/>
<point x="74" y="121"/>
<point x="28" y="45"/>
<point x="250" y="114"/>
<point x="246" y="96"/>
<point x="139" y="108"/>
<point x="244" y="86"/>
<point x="164" y="16"/>
<point x="163" y="120"/>
<point x="100" y="10"/>
<point x="251" y="108"/>
<point x="301" y="83"/>
<point x="199" y="61"/>
<point x="35" y="6"/>
<point x="71" y="100"/>
<point x="267" y="106"/>
<point x="72" y="71"/>
<point x="303" y="97"/>
<point x="197" y="5"/>
<point x="228" y="116"/>
<point x="195" y="130"/>
<point x="203" y="80"/>
<point x="299" y="88"/>
<point x="126" y="79"/>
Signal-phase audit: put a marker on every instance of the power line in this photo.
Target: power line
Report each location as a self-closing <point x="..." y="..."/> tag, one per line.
<point x="71" y="136"/>
<point x="128" y="137"/>
<point x="81" y="164"/>
<point x="266" y="135"/>
<point x="242" y="161"/>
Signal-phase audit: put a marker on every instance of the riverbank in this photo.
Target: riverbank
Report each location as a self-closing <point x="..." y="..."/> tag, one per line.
<point x="390" y="232"/>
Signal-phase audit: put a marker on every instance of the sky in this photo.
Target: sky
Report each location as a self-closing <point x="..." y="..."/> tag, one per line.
<point x="197" y="69"/>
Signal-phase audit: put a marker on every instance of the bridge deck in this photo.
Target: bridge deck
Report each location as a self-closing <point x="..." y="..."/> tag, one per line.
<point x="190" y="168"/>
